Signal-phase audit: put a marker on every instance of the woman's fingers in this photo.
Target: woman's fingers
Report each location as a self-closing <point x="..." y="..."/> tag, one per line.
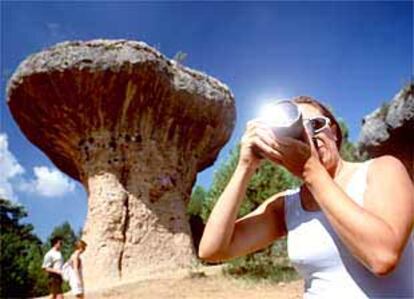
<point x="256" y="130"/>
<point x="261" y="139"/>
<point x="288" y="145"/>
<point x="255" y="124"/>
<point x="267" y="150"/>
<point x="289" y="141"/>
<point x="309" y="139"/>
<point x="251" y="124"/>
<point x="267" y="136"/>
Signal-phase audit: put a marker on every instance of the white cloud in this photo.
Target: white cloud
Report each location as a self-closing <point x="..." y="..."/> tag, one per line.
<point x="48" y="182"/>
<point x="9" y="169"/>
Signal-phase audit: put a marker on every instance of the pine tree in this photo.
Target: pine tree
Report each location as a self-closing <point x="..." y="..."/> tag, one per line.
<point x="20" y="255"/>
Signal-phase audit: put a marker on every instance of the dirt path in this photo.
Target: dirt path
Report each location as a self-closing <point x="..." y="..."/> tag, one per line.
<point x="218" y="287"/>
<point x="213" y="285"/>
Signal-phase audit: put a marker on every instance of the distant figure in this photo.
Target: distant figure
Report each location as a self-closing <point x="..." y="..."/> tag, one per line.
<point x="72" y="270"/>
<point x="52" y="264"/>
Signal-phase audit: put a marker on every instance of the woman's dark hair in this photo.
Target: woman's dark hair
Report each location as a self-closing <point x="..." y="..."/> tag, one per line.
<point x="325" y="111"/>
<point x="55" y="240"/>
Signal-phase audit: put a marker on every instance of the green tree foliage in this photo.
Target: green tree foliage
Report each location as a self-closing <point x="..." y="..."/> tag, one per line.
<point x="36" y="273"/>
<point x="349" y="151"/>
<point x="198" y="197"/>
<point x="194" y="210"/>
<point x="271" y="264"/>
<point x="79" y="234"/>
<point x="21" y="252"/>
<point x="268" y="180"/>
<point x="220" y="180"/>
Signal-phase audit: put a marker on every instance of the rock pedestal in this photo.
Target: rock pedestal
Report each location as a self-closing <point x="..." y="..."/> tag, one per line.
<point x="390" y="129"/>
<point x="134" y="128"/>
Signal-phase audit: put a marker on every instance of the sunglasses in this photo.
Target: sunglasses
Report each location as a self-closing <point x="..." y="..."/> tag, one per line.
<point x="317" y="124"/>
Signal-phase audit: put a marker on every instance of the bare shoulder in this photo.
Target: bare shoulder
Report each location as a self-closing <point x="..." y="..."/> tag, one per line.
<point x="388" y="178"/>
<point x="390" y="194"/>
<point x="387" y="167"/>
<point x="387" y="161"/>
<point x="75" y="255"/>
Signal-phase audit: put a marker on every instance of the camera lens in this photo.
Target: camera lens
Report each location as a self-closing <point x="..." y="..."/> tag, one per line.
<point x="285" y="119"/>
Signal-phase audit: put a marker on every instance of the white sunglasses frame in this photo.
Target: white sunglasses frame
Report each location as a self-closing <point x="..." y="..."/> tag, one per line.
<point x="314" y="132"/>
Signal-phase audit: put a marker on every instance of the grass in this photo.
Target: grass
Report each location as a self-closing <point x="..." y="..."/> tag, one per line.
<point x="271" y="264"/>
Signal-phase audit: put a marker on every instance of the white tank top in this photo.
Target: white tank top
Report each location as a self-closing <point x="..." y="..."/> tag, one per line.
<point x="329" y="269"/>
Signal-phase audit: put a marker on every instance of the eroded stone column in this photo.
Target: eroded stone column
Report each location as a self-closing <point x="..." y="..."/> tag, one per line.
<point x="134" y="128"/>
<point x="107" y="215"/>
<point x="138" y="192"/>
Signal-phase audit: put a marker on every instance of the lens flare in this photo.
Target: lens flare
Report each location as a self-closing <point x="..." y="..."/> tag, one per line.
<point x="283" y="117"/>
<point x="275" y="114"/>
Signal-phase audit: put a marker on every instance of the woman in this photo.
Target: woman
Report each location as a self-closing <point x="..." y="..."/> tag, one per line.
<point x="348" y="226"/>
<point x="72" y="270"/>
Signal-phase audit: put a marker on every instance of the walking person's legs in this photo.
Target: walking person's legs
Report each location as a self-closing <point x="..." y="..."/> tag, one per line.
<point x="55" y="286"/>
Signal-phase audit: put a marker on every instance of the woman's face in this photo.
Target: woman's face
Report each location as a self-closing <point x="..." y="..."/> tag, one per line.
<point x="325" y="140"/>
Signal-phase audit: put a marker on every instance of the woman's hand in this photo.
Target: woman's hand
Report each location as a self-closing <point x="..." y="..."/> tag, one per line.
<point x="294" y="154"/>
<point x="300" y="157"/>
<point x="258" y="142"/>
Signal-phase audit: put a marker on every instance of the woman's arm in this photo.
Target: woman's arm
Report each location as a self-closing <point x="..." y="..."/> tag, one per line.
<point x="377" y="232"/>
<point x="51" y="270"/>
<point x="75" y="261"/>
<point x="220" y="225"/>
<point x="223" y="237"/>
<point x="226" y="238"/>
<point x="258" y="229"/>
<point x="76" y="265"/>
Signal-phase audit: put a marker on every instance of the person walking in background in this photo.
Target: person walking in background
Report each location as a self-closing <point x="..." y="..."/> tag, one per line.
<point x="72" y="270"/>
<point x="52" y="264"/>
<point x="348" y="226"/>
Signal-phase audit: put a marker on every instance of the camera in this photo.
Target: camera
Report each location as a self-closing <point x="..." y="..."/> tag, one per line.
<point x="284" y="118"/>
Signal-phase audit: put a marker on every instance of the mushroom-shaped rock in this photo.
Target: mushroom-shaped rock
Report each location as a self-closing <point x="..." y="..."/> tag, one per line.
<point x="390" y="129"/>
<point x="134" y="128"/>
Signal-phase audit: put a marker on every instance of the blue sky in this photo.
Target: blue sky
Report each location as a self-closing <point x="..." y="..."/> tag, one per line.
<point x="352" y="55"/>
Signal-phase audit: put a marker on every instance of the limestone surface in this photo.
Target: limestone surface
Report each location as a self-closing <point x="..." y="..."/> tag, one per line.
<point x="390" y="129"/>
